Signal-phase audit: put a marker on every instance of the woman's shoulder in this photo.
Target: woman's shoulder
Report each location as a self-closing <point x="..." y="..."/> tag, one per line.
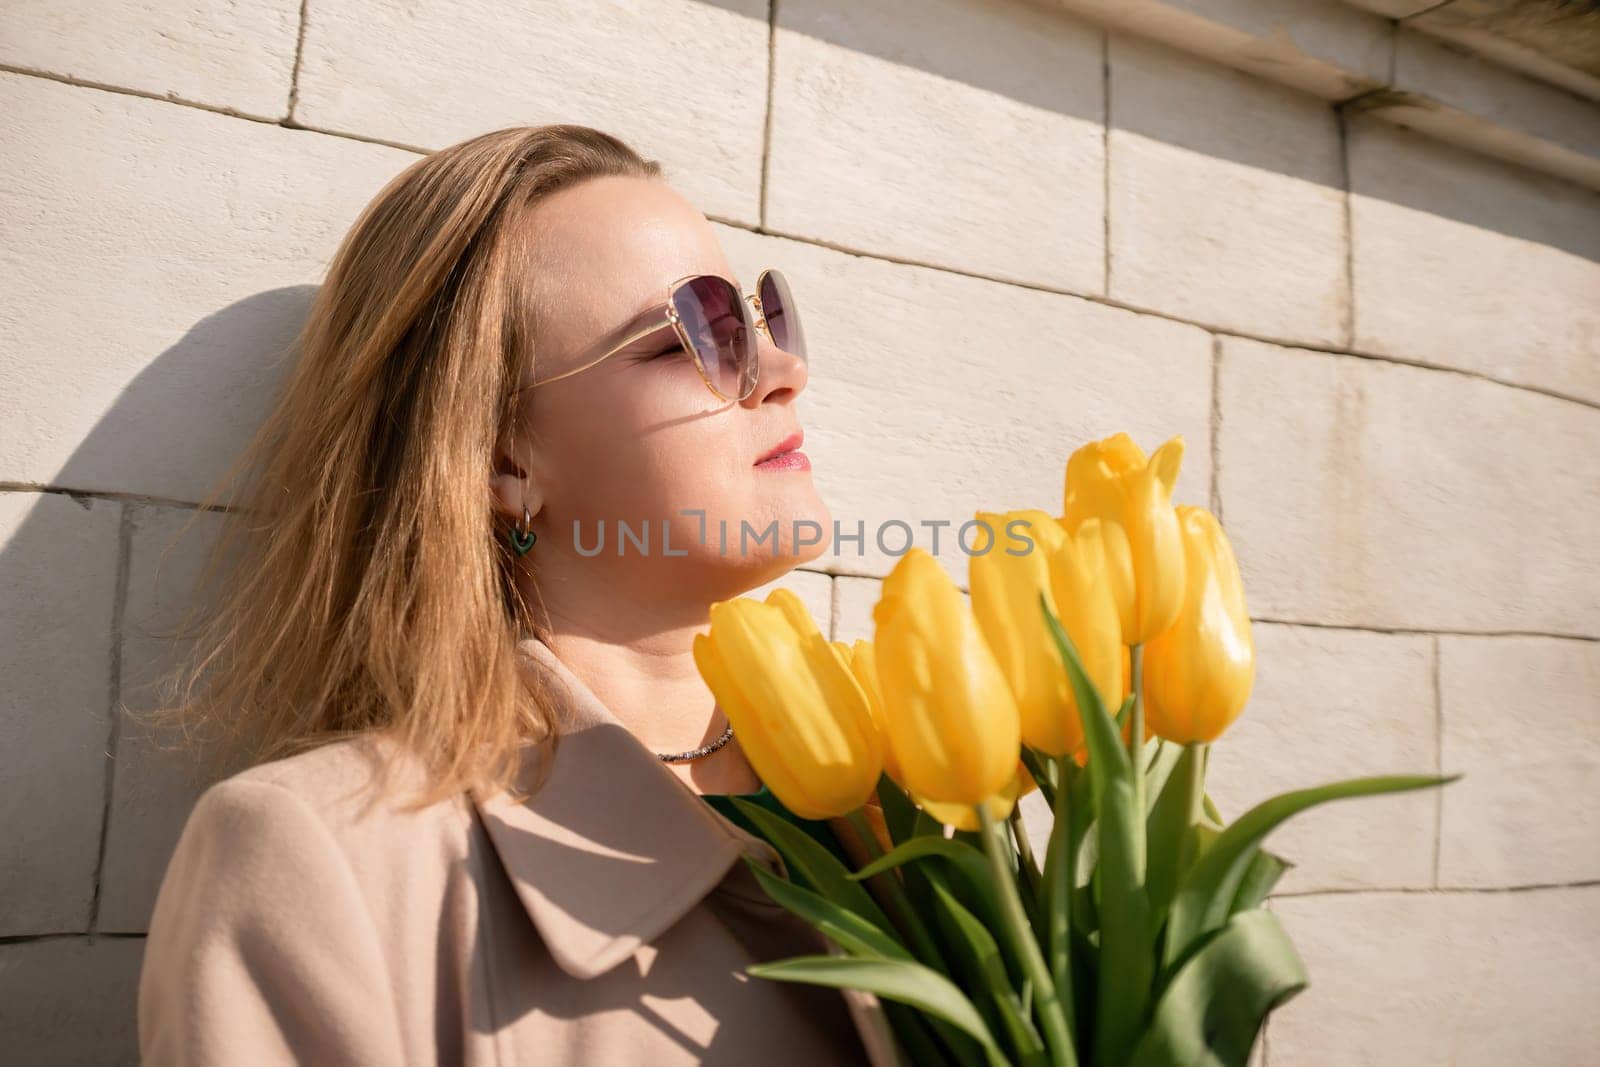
<point x="352" y="793"/>
<point x="269" y="930"/>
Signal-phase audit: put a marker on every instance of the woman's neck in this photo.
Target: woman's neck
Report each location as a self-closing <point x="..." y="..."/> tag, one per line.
<point x="654" y="689"/>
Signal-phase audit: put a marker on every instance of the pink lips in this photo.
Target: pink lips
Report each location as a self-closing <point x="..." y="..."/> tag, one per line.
<point x="786" y="456"/>
<point x="789" y="461"/>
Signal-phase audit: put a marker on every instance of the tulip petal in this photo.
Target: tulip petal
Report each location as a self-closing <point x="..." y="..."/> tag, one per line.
<point x="1113" y="481"/>
<point x="964" y="817"/>
<point x="773" y="769"/>
<point x="864" y="665"/>
<point x="1165" y="463"/>
<point x="798" y="712"/>
<point x="1198" y="674"/>
<point x="1006" y="583"/>
<point x="953" y="723"/>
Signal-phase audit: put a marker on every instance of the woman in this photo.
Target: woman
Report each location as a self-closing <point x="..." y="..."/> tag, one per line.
<point x="476" y="836"/>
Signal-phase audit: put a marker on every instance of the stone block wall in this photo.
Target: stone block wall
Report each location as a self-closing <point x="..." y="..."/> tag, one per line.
<point x="1014" y="227"/>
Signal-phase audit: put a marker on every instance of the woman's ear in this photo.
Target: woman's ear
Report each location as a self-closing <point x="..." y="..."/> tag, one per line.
<point x="513" y="483"/>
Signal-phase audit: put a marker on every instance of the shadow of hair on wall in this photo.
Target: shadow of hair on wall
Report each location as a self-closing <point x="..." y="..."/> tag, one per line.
<point x="101" y="564"/>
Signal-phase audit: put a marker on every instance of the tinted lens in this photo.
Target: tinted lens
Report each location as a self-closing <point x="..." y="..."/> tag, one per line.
<point x="778" y="308"/>
<point x="722" y="328"/>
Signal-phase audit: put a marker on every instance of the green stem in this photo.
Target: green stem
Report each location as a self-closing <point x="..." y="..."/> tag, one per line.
<point x="1028" y="868"/>
<point x="893" y="895"/>
<point x="864" y="830"/>
<point x="1063" y="880"/>
<point x="1136" y="726"/>
<point x="1053" y="1020"/>
<point x="1029" y="865"/>
<point x="1196" y="808"/>
<point x="1043" y="771"/>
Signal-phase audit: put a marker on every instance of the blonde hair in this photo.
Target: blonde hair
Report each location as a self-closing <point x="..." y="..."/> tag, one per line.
<point x="359" y="583"/>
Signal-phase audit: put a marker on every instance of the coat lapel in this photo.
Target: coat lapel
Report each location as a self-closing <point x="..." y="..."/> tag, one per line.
<point x="614" y="847"/>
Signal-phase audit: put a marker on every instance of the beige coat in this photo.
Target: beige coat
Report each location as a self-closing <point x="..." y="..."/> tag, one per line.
<point x="607" y="920"/>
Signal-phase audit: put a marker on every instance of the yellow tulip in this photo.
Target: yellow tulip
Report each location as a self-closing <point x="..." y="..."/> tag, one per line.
<point x="863" y="664"/>
<point x="1199" y="673"/>
<point x="964" y="817"/>
<point x="1112" y="480"/>
<point x="800" y="716"/>
<point x="1069" y="570"/>
<point x="952" y="722"/>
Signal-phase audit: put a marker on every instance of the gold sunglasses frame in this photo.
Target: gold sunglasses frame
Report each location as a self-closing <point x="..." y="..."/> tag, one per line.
<point x="688" y="348"/>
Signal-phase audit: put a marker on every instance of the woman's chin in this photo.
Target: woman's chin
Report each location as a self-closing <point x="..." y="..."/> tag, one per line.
<point x="810" y="528"/>
<point x="801" y="539"/>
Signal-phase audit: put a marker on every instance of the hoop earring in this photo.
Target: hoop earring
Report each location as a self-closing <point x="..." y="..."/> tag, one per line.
<point x="522" y="535"/>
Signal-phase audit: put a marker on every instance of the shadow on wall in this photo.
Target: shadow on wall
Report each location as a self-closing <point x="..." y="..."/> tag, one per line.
<point x="91" y="583"/>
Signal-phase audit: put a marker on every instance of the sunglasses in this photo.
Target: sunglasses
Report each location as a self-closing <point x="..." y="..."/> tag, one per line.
<point x="716" y="325"/>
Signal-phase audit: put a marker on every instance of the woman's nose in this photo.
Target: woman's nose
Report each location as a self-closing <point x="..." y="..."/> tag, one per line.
<point x="779" y="371"/>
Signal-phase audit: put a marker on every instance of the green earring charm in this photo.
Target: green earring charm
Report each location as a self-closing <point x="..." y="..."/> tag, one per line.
<point x="522" y="540"/>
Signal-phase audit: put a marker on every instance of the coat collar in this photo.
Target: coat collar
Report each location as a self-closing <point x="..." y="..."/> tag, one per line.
<point x="614" y="847"/>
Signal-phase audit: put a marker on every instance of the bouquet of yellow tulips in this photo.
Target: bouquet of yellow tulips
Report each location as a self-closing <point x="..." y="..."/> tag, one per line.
<point x="1140" y="939"/>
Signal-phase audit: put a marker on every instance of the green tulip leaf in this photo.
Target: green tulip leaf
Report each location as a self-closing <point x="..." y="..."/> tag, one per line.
<point x="916" y="883"/>
<point x="982" y="955"/>
<point x="1212" y="1010"/>
<point x="1263" y="873"/>
<point x="1085" y="909"/>
<point x="1030" y="879"/>
<point x="1206" y="893"/>
<point x="1160" y="773"/>
<point x="910" y="983"/>
<point x="1089" y="858"/>
<point x="844" y="927"/>
<point x="807" y="857"/>
<point x="980" y="895"/>
<point x="1085" y="837"/>
<point x="971" y="838"/>
<point x="972" y="865"/>
<point x="1086" y="832"/>
<point x="1039" y="767"/>
<point x="1157" y="760"/>
<point x="1170" y="828"/>
<point x="902" y="817"/>
<point x="1203" y="836"/>
<point x="899" y="813"/>
<point x="1057" y="889"/>
<point x="912" y="1028"/>
<point x="859" y="937"/>
<point x="1126" y="964"/>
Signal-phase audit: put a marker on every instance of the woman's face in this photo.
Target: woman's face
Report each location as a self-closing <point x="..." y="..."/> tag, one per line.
<point x="638" y="440"/>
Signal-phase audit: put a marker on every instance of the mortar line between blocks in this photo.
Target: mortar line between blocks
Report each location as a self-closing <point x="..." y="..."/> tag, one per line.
<point x="1347" y="324"/>
<point x="1155" y="313"/>
<point x="67" y="935"/>
<point x="1105" y="158"/>
<point x="766" y="124"/>
<point x="760" y="227"/>
<point x="294" y="71"/>
<point x="1216" y="429"/>
<point x="119" y="602"/>
<point x="1432" y="891"/>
